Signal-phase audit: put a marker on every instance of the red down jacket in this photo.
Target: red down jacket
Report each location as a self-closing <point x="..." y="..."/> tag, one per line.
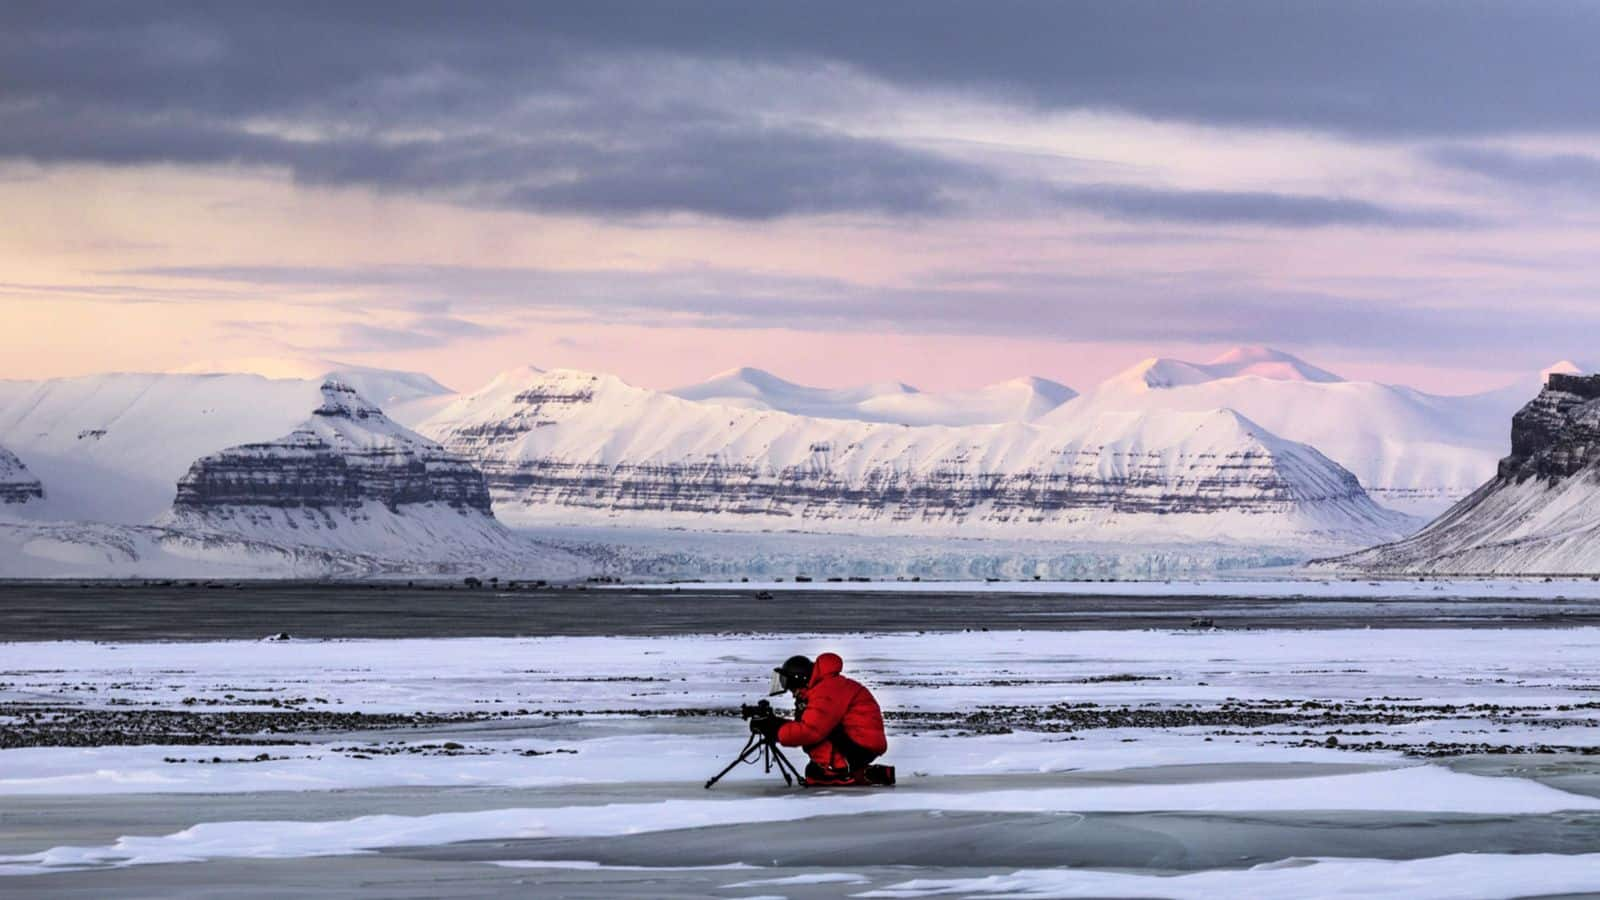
<point x="832" y="700"/>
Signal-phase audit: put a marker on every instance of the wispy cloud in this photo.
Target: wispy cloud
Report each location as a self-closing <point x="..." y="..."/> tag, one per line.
<point x="1263" y="208"/>
<point x="1201" y="306"/>
<point x="422" y="332"/>
<point x="1545" y="171"/>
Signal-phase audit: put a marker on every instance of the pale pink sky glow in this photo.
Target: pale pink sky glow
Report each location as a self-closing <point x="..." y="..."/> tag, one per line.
<point x="611" y="202"/>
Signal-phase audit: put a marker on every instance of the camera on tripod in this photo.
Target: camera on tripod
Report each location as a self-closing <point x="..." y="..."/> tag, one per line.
<point x="761" y="748"/>
<point x="755" y="712"/>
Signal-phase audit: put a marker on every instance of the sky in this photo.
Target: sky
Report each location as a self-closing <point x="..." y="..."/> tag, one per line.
<point x="947" y="194"/>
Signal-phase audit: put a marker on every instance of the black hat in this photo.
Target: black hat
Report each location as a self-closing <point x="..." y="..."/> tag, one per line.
<point x="795" y="673"/>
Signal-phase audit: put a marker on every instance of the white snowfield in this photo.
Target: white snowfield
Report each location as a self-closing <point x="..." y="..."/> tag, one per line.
<point x="663" y="759"/>
<point x="99" y="550"/>
<point x="20" y="492"/>
<point x="1254" y="455"/>
<point x="348" y="492"/>
<point x="111" y="448"/>
<point x="1425" y="790"/>
<point x="1017" y="400"/>
<point x="1511" y="527"/>
<point x="1412" y="451"/>
<point x="1459" y="876"/>
<point x="406" y="396"/>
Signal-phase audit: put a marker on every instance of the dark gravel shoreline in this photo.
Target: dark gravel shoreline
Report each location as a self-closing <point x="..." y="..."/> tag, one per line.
<point x="54" y="725"/>
<point x="1347" y="725"/>
<point x="133" y="611"/>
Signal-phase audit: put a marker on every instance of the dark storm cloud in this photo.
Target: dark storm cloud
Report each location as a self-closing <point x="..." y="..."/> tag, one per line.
<point x="413" y="101"/>
<point x="688" y="161"/>
<point x="1378" y="67"/>
<point x="759" y="173"/>
<point x="1248" y="208"/>
<point x="1562" y="171"/>
<point x="701" y="162"/>
<point x="1373" y="67"/>
<point x="569" y="107"/>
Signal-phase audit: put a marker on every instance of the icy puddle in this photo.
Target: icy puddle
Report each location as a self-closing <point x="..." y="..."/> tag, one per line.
<point x="1436" y="763"/>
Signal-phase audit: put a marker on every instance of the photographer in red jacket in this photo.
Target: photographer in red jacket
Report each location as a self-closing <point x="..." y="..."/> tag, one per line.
<point x="837" y="720"/>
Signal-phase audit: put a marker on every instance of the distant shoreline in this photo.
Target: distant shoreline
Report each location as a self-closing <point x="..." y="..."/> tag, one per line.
<point x="252" y="610"/>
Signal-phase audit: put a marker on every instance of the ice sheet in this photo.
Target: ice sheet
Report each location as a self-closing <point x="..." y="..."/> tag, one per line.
<point x="1462" y="876"/>
<point x="1413" y="789"/>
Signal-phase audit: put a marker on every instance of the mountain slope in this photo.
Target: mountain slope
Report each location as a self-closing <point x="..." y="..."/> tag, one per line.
<point x="1017" y="400"/>
<point x="405" y="396"/>
<point x="110" y="447"/>
<point x="1412" y="451"/>
<point x="567" y="446"/>
<point x="1239" y="362"/>
<point x="1540" y="514"/>
<point x="17" y="484"/>
<point x="347" y="478"/>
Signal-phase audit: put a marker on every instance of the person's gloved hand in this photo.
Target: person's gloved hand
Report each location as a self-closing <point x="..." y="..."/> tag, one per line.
<point x="768" y="727"/>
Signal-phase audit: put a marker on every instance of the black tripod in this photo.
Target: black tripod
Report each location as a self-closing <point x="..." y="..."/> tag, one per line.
<point x="762" y="747"/>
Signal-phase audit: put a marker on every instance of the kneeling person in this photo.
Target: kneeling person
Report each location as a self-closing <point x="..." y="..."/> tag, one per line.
<point x="837" y="721"/>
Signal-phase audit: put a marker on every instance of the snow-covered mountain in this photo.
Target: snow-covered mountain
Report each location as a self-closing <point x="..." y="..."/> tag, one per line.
<point x="110" y="447"/>
<point x="1412" y="451"/>
<point x="17" y="484"/>
<point x="567" y="446"/>
<point x="1539" y="514"/>
<point x="347" y="478"/>
<point x="406" y="397"/>
<point x="1017" y="400"/>
<point x="1239" y="362"/>
<point x="1166" y="453"/>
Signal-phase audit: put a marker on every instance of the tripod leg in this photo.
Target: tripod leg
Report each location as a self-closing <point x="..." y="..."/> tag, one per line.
<point x="788" y="769"/>
<point x="744" y="754"/>
<point x="771" y="755"/>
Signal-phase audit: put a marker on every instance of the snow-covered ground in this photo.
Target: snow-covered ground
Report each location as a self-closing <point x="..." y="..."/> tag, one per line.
<point x="581" y="759"/>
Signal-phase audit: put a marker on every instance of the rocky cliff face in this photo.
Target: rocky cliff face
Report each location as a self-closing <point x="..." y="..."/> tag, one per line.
<point x="347" y="455"/>
<point x="575" y="447"/>
<point x="17" y="484"/>
<point x="1540" y="514"/>
<point x="1558" y="433"/>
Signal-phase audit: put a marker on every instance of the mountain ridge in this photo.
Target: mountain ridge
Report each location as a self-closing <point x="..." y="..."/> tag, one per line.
<point x="1015" y="399"/>
<point x="347" y="475"/>
<point x="568" y="445"/>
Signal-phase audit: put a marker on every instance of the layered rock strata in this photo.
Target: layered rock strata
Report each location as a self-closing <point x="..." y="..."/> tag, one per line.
<point x="17" y="484"/>
<point x="571" y="446"/>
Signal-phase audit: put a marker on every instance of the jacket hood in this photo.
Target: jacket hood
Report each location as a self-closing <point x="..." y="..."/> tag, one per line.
<point x="826" y="666"/>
